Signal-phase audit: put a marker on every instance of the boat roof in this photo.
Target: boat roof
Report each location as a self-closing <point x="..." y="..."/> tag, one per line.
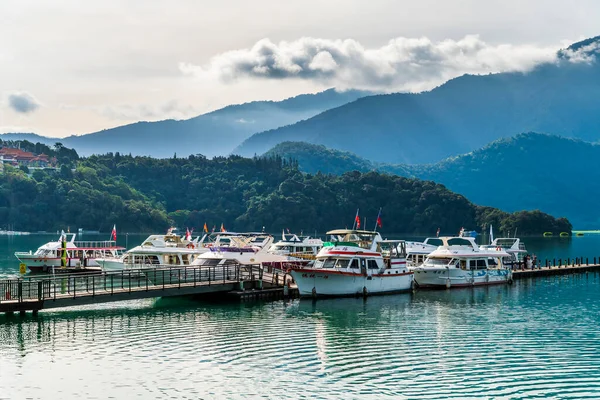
<point x="351" y="231"/>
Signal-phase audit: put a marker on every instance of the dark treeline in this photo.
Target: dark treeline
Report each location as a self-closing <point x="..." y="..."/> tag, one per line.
<point x="144" y="194"/>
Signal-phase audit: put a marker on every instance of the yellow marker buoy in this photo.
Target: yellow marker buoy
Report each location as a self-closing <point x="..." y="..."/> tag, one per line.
<point x="22" y="268"/>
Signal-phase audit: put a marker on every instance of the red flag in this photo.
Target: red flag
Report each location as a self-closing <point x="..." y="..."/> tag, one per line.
<point x="113" y="234"/>
<point x="188" y="234"/>
<point x="357" y="219"/>
<point x="379" y="221"/>
<point x="437" y="234"/>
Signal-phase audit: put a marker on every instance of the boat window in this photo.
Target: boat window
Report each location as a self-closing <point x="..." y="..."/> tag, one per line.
<point x="354" y="264"/>
<point x="329" y="263"/>
<point x="342" y="263"/>
<point x="481" y="264"/>
<point x="372" y="264"/>
<point x="459" y="242"/>
<point x="439" y="261"/>
<point x="472" y="263"/>
<point x="434" y="241"/>
<point x="318" y="264"/>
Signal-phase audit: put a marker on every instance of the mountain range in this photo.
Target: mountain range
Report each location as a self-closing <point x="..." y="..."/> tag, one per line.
<point x="459" y="116"/>
<point x="212" y="134"/>
<point x="530" y="171"/>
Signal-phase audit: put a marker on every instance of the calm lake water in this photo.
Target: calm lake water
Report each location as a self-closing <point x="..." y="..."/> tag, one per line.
<point x="535" y="339"/>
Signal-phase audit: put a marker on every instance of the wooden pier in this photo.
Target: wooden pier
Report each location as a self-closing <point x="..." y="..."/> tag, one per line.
<point x="37" y="292"/>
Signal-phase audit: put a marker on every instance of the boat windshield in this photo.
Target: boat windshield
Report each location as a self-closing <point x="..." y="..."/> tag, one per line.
<point x="331" y="263"/>
<point x="439" y="262"/>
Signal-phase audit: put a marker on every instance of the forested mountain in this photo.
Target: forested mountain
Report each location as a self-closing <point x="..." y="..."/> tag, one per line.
<point x="214" y="133"/>
<point x="459" y="116"/>
<point x="529" y="171"/>
<point x="147" y="194"/>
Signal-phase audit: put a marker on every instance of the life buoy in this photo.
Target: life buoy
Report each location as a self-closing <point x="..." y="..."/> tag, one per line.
<point x="190" y="245"/>
<point x="498" y="248"/>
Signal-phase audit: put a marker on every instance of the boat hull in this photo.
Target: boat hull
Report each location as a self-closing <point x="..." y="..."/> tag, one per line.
<point x="45" y="264"/>
<point x="448" y="278"/>
<point x="313" y="283"/>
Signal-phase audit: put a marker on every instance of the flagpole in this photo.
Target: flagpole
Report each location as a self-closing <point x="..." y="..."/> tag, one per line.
<point x="377" y="220"/>
<point x="355" y="218"/>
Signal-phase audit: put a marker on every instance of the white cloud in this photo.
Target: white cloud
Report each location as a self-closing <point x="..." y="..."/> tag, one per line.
<point x="584" y="54"/>
<point x="22" y="102"/>
<point x="402" y="64"/>
<point x="134" y="112"/>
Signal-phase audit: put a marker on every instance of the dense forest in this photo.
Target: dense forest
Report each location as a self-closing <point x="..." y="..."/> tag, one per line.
<point x="142" y="194"/>
<point x="526" y="172"/>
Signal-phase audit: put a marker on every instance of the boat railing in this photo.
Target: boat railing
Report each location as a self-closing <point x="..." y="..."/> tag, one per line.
<point x="71" y="285"/>
<point x="95" y="243"/>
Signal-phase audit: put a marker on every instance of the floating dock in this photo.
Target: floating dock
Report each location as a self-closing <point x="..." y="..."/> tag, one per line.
<point x="34" y="293"/>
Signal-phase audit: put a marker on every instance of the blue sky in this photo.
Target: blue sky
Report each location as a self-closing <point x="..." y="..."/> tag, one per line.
<point x="71" y="67"/>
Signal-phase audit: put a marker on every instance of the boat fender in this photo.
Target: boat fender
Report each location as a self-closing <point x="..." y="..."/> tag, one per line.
<point x="365" y="291"/>
<point x="448" y="284"/>
<point x="487" y="277"/>
<point x="498" y="248"/>
<point x="190" y="245"/>
<point x="314" y="292"/>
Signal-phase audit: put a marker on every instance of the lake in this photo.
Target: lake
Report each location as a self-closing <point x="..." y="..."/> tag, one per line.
<point x="538" y="338"/>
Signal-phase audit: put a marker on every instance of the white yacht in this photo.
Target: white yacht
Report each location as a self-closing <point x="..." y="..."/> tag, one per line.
<point x="459" y="262"/>
<point x="360" y="263"/>
<point x="513" y="246"/>
<point x="417" y="252"/>
<point x="240" y="248"/>
<point x="80" y="255"/>
<point x="297" y="248"/>
<point x="164" y="250"/>
<point x="221" y="258"/>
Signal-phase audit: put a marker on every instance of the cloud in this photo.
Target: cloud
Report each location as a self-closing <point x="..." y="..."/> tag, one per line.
<point x="583" y="55"/>
<point x="168" y="110"/>
<point x="412" y="64"/>
<point x="23" y="102"/>
<point x="134" y="112"/>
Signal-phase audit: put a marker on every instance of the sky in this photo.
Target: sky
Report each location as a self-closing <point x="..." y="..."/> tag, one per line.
<point x="73" y="67"/>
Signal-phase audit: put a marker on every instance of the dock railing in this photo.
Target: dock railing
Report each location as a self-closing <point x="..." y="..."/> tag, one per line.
<point x="49" y="287"/>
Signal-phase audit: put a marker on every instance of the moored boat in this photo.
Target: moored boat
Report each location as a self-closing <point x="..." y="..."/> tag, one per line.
<point x="513" y="246"/>
<point x="360" y="263"/>
<point x="169" y="249"/>
<point x="417" y="252"/>
<point x="80" y="255"/>
<point x="460" y="262"/>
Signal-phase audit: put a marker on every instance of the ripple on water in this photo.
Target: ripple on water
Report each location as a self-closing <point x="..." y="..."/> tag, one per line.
<point x="533" y="339"/>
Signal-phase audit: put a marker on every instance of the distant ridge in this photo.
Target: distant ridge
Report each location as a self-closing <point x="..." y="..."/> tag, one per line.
<point x="211" y="134"/>
<point x="459" y="116"/>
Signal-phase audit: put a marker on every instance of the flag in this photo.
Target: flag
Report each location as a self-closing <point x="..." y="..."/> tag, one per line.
<point x="357" y="220"/>
<point x="491" y="234"/>
<point x="223" y="228"/>
<point x="188" y="234"/>
<point x="437" y="234"/>
<point x="378" y="223"/>
<point x="113" y="234"/>
<point x="205" y="228"/>
<point x="214" y="228"/>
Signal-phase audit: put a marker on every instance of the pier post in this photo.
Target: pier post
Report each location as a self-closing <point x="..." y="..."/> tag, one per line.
<point x="594" y="260"/>
<point x="586" y="261"/>
<point x="554" y="262"/>
<point x="568" y="261"/>
<point x="546" y="263"/>
<point x="559" y="262"/>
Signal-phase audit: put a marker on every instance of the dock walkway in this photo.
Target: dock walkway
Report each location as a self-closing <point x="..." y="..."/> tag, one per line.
<point x="36" y="292"/>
